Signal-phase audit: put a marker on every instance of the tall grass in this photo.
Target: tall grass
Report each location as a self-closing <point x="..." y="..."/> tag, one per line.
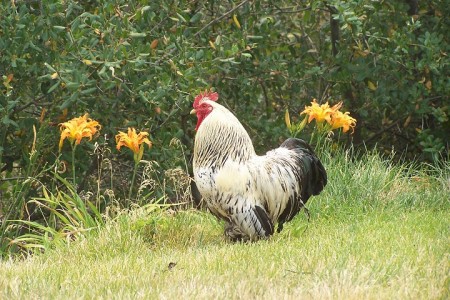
<point x="64" y="216"/>
<point x="370" y="180"/>
<point x="38" y="223"/>
<point x="20" y="191"/>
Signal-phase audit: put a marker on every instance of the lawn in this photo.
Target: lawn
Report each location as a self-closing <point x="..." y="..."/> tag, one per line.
<point x="378" y="231"/>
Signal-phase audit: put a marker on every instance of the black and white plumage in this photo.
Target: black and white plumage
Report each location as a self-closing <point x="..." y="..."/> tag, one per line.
<point x="251" y="193"/>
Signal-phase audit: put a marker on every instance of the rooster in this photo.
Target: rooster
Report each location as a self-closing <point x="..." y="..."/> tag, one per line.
<point x="251" y="193"/>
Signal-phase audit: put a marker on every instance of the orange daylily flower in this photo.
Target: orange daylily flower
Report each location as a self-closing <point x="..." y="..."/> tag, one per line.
<point x="77" y="129"/>
<point x="340" y="119"/>
<point x="133" y="141"/>
<point x="320" y="113"/>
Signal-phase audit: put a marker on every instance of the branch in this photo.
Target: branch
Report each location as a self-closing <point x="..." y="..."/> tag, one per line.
<point x="334" y="25"/>
<point x="266" y="98"/>
<point x="286" y="10"/>
<point x="11" y="178"/>
<point x="375" y="135"/>
<point x="34" y="101"/>
<point x="221" y="17"/>
<point x="293" y="11"/>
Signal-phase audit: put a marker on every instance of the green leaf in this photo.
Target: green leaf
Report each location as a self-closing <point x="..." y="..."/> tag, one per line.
<point x="49" y="67"/>
<point x="307" y="16"/>
<point x="7" y="121"/>
<point x="88" y="91"/>
<point x="199" y="55"/>
<point x="255" y="37"/>
<point x="195" y="18"/>
<point x="137" y="34"/>
<point x="145" y="8"/>
<point x="53" y="87"/>
<point x="181" y="17"/>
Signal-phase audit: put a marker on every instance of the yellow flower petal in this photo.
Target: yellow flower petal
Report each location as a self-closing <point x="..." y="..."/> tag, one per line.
<point x="318" y="112"/>
<point x="133" y="141"/>
<point x="342" y="120"/>
<point x="77" y="129"/>
<point x="287" y="119"/>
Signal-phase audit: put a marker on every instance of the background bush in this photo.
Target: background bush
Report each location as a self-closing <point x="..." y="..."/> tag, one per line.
<point x="140" y="63"/>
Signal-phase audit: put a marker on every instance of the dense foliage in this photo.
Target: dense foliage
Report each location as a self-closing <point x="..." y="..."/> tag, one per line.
<point x="139" y="64"/>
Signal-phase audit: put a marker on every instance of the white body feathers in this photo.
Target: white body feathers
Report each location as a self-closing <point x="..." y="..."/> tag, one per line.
<point x="250" y="192"/>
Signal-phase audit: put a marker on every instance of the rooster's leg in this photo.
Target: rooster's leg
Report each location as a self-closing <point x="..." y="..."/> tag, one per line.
<point x="234" y="234"/>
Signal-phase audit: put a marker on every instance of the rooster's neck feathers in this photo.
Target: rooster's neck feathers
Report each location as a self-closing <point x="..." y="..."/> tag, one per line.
<point x="218" y="136"/>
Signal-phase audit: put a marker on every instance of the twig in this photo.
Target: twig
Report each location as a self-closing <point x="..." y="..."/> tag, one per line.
<point x="375" y="135"/>
<point x="293" y="11"/>
<point x="266" y="98"/>
<point x="34" y="101"/>
<point x="289" y="10"/>
<point x="11" y="178"/>
<point x="221" y="17"/>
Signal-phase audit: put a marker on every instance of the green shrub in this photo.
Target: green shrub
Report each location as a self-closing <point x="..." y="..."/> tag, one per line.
<point x="139" y="63"/>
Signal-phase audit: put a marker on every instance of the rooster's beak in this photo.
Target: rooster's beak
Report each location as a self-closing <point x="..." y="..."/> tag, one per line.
<point x="193" y="112"/>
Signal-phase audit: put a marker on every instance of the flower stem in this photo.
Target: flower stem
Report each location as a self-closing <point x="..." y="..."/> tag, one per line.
<point x="132" y="180"/>
<point x="74" y="146"/>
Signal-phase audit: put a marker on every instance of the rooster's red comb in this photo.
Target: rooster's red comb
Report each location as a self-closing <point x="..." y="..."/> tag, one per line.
<point x="213" y="96"/>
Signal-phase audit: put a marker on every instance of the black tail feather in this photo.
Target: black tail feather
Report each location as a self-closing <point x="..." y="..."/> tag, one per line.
<point x="312" y="178"/>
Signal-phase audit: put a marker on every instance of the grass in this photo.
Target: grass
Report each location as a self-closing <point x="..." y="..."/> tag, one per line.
<point x="378" y="231"/>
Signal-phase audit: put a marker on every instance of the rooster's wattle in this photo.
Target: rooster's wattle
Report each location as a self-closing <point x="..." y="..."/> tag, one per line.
<point x="251" y="193"/>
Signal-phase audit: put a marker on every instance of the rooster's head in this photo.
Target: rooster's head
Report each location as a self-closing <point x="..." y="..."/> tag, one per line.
<point x="201" y="107"/>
